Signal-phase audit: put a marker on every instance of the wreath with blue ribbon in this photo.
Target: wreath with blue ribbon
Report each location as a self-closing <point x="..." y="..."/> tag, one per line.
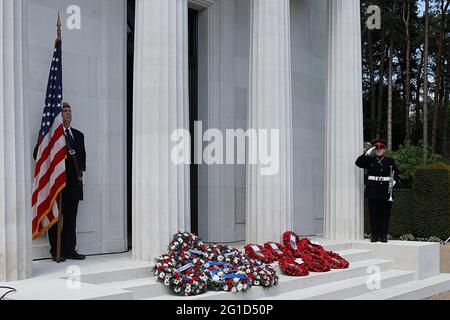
<point x="190" y="268"/>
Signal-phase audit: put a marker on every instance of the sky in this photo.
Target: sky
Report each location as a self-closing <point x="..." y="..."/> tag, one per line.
<point x="421" y="5"/>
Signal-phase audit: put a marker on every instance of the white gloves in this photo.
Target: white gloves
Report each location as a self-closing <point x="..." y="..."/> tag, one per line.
<point x="370" y="151"/>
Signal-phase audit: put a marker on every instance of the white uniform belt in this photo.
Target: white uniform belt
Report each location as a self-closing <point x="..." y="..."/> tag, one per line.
<point x="373" y="178"/>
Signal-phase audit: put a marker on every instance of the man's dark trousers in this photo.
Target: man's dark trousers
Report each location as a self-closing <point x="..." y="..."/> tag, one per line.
<point x="68" y="236"/>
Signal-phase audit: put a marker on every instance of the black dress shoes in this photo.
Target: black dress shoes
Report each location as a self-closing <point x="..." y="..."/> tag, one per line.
<point x="373" y="239"/>
<point x="384" y="239"/>
<point x="75" y="256"/>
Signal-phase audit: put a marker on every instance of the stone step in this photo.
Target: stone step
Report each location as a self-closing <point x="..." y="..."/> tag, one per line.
<point x="289" y="283"/>
<point x="347" y="288"/>
<point x="414" y="290"/>
<point x="354" y="255"/>
<point x="335" y="246"/>
<point x="142" y="284"/>
<point x="141" y="272"/>
<point x="132" y="283"/>
<point x="135" y="289"/>
<point x="60" y="289"/>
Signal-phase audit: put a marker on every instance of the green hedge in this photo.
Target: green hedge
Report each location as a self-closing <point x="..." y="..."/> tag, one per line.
<point x="424" y="210"/>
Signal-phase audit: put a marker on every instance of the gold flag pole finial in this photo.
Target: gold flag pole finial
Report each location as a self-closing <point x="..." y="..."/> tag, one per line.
<point x="58" y="28"/>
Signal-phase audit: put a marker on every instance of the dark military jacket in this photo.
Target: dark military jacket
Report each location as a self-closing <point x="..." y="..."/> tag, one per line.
<point x="378" y="167"/>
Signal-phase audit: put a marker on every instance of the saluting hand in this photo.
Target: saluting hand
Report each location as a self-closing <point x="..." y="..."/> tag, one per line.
<point x="370" y="151"/>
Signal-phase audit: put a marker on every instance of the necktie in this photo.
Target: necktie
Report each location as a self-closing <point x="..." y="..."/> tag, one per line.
<point x="69" y="139"/>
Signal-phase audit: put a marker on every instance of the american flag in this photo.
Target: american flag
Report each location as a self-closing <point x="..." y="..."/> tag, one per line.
<point x="50" y="170"/>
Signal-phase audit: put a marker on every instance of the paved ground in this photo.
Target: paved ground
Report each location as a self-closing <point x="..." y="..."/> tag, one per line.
<point x="443" y="296"/>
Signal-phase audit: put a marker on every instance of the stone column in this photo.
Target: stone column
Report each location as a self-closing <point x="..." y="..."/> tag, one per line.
<point x="160" y="187"/>
<point x="217" y="188"/>
<point x="269" y="197"/>
<point x="344" y="132"/>
<point x="15" y="200"/>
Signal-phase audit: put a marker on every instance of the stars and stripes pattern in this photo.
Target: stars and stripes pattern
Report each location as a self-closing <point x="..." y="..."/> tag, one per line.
<point x="50" y="170"/>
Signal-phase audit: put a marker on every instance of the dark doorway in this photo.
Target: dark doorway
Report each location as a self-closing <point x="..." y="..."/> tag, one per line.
<point x="193" y="111"/>
<point x="130" y="72"/>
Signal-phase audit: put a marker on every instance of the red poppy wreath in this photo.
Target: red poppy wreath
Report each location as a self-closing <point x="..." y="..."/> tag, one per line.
<point x="292" y="242"/>
<point x="336" y="261"/>
<point x="257" y="252"/>
<point x="311" y="246"/>
<point x="294" y="267"/>
<point x="277" y="250"/>
<point x="315" y="262"/>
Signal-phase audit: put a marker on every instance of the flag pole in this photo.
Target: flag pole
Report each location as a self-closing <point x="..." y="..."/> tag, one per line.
<point x="60" y="218"/>
<point x="58" y="28"/>
<point x="60" y="228"/>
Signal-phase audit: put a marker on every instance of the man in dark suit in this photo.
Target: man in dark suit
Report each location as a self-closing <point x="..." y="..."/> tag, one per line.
<point x="378" y="169"/>
<point x="72" y="193"/>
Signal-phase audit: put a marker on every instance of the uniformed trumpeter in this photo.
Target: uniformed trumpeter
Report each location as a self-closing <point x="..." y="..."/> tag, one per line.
<point x="381" y="175"/>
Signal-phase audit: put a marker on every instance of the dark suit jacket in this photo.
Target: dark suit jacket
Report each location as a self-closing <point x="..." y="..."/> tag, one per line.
<point x="377" y="189"/>
<point x="73" y="186"/>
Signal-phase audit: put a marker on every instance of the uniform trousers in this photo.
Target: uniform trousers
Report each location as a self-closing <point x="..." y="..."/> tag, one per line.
<point x="379" y="215"/>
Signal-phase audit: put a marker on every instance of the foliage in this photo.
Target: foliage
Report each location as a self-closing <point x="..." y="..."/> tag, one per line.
<point x="409" y="159"/>
<point x="431" y="203"/>
<point x="434" y="239"/>
<point x="422" y="211"/>
<point x="407" y="237"/>
<point x="410" y="237"/>
<point x="438" y="165"/>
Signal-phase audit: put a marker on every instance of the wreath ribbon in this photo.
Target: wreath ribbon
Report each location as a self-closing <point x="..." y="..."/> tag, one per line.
<point x="198" y="252"/>
<point x="228" y="273"/>
<point x="185" y="267"/>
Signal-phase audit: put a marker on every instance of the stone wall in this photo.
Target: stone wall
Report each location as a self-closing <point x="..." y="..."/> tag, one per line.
<point x="94" y="79"/>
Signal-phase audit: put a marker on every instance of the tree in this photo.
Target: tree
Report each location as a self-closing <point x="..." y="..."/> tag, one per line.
<point x="406" y="20"/>
<point x="390" y="80"/>
<point x="437" y="94"/>
<point x="417" y="102"/>
<point x="383" y="51"/>
<point x="425" y="84"/>
<point x="445" y="115"/>
<point x="372" y="82"/>
<point x="419" y="82"/>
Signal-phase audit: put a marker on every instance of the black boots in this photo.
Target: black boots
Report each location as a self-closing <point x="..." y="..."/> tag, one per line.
<point x="382" y="238"/>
